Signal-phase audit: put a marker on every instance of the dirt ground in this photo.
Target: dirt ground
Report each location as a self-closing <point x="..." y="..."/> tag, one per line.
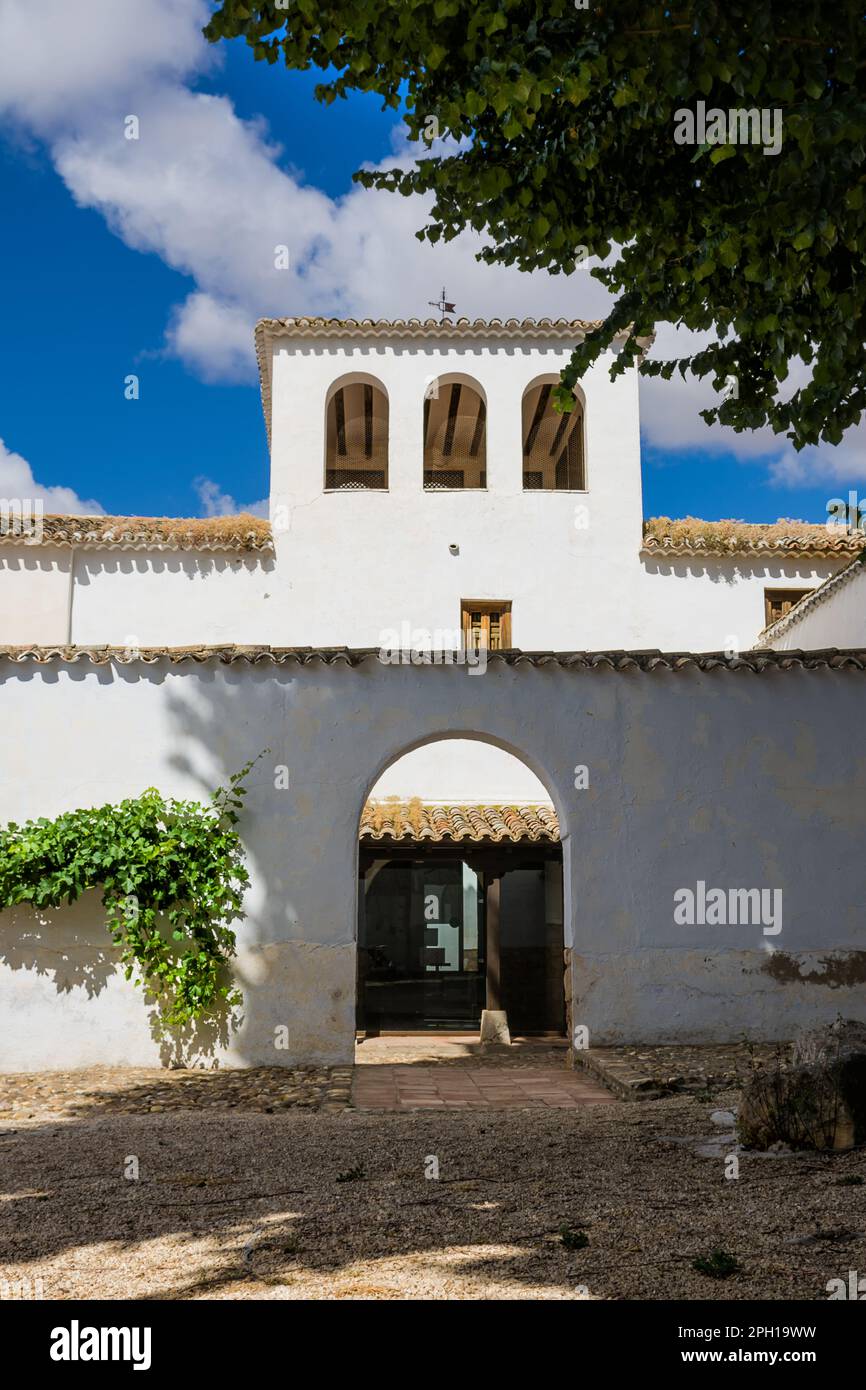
<point x="242" y="1203"/>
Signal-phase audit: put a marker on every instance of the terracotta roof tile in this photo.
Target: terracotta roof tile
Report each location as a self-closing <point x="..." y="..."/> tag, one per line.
<point x="692" y="536"/>
<point x="217" y="533"/>
<point x="418" y="821"/>
<point x="312" y="327"/>
<point x="832" y="658"/>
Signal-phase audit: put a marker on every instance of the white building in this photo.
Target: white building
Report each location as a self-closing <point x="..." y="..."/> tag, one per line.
<point x="417" y="471"/>
<point x="425" y="495"/>
<point x="833" y="615"/>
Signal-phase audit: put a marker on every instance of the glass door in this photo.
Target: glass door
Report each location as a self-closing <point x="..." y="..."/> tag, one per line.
<point x="420" y="938"/>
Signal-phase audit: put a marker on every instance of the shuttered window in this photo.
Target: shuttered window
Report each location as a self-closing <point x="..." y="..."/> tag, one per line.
<point x="778" y="602"/>
<point x="486" y="624"/>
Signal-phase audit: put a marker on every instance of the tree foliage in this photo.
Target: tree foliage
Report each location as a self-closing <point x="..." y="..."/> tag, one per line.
<point x="565" y="119"/>
<point x="172" y="875"/>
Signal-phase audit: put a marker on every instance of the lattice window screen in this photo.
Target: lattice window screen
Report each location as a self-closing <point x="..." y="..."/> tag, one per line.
<point x="357" y="438"/>
<point x="455" y="436"/>
<point x="778" y="602"/>
<point x="552" y="444"/>
<point x="443" y="478"/>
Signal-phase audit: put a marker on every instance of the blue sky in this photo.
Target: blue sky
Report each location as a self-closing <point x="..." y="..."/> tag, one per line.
<point x="150" y="258"/>
<point x="108" y="305"/>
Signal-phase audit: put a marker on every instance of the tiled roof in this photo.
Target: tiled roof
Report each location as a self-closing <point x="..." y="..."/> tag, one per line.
<point x="217" y="533"/>
<point x="247" y="533"/>
<point x="426" y="328"/>
<point x="624" y="661"/>
<point x="813" y="600"/>
<point x="692" y="536"/>
<point x="567" y="330"/>
<point x="416" y="820"/>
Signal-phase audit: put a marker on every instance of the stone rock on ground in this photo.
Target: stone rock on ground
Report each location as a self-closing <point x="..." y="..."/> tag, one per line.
<point x="818" y="1100"/>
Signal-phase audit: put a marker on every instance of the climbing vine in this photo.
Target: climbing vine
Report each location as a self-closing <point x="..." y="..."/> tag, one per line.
<point x="172" y="875"/>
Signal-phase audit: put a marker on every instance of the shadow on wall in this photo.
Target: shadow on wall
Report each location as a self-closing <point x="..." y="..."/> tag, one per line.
<point x="63" y="943"/>
<point x="69" y="951"/>
<point x="722" y="570"/>
<point x="298" y="990"/>
<point x="296" y="962"/>
<point x="70" y="948"/>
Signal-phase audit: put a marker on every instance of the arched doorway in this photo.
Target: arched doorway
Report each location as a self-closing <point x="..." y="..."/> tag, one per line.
<point x="460" y="904"/>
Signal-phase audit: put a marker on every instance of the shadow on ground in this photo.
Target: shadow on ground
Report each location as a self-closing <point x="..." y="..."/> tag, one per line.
<point x="348" y="1205"/>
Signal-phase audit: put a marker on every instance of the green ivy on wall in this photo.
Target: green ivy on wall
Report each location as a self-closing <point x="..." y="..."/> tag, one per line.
<point x="172" y="875"/>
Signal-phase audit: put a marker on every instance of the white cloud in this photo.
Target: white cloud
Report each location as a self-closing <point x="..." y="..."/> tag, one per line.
<point x="204" y="190"/>
<point x="63" y="63"/>
<point x="215" y="502"/>
<point x="670" y="420"/>
<point x="845" y="463"/>
<point x="17" y="481"/>
<point x="213" y="338"/>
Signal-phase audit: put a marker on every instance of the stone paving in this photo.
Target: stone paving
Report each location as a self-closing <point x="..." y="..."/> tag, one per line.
<point x="438" y="1071"/>
<point x="455" y="1071"/>
<point x="412" y="1087"/>
<point x="95" y="1091"/>
<point x="645" y="1072"/>
<point x="395" y="1072"/>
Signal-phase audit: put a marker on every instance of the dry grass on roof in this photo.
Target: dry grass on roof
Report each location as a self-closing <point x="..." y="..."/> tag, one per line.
<point x="730" y="534"/>
<point x="239" y="531"/>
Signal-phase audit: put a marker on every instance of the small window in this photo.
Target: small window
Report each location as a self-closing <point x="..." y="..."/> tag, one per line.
<point x="455" y="437"/>
<point x="778" y="602"/>
<point x="552" y="444"/>
<point x="486" y="624"/>
<point x="357" y="437"/>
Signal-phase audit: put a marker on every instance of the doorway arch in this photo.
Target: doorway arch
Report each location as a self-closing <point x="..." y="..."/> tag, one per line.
<point x="460" y="891"/>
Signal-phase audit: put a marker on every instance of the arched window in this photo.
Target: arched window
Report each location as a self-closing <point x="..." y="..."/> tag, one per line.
<point x="357" y="435"/>
<point x="553" y="455"/>
<point x="455" y="435"/>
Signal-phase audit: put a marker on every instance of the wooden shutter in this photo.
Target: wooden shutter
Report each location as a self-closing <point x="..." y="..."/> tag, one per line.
<point x="487" y="625"/>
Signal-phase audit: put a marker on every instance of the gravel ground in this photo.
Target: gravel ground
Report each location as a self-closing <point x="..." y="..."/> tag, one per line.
<point x="241" y="1204"/>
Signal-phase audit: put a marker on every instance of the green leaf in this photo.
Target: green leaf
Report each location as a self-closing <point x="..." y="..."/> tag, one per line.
<point x="701" y="241"/>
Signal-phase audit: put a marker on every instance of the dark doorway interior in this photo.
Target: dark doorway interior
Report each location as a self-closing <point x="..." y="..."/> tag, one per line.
<point x="447" y="930"/>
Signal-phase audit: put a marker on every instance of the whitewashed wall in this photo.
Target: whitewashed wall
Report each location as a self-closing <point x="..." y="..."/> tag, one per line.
<point x="716" y="604"/>
<point x="838" y="621"/>
<point x="185" y="599"/>
<point x="35" y="597"/>
<point x="363" y="562"/>
<point x="733" y="778"/>
<point x="461" y="770"/>
<point x="174" y="598"/>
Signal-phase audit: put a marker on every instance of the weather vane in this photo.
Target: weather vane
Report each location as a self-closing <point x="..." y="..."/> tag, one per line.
<point x="442" y="305"/>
